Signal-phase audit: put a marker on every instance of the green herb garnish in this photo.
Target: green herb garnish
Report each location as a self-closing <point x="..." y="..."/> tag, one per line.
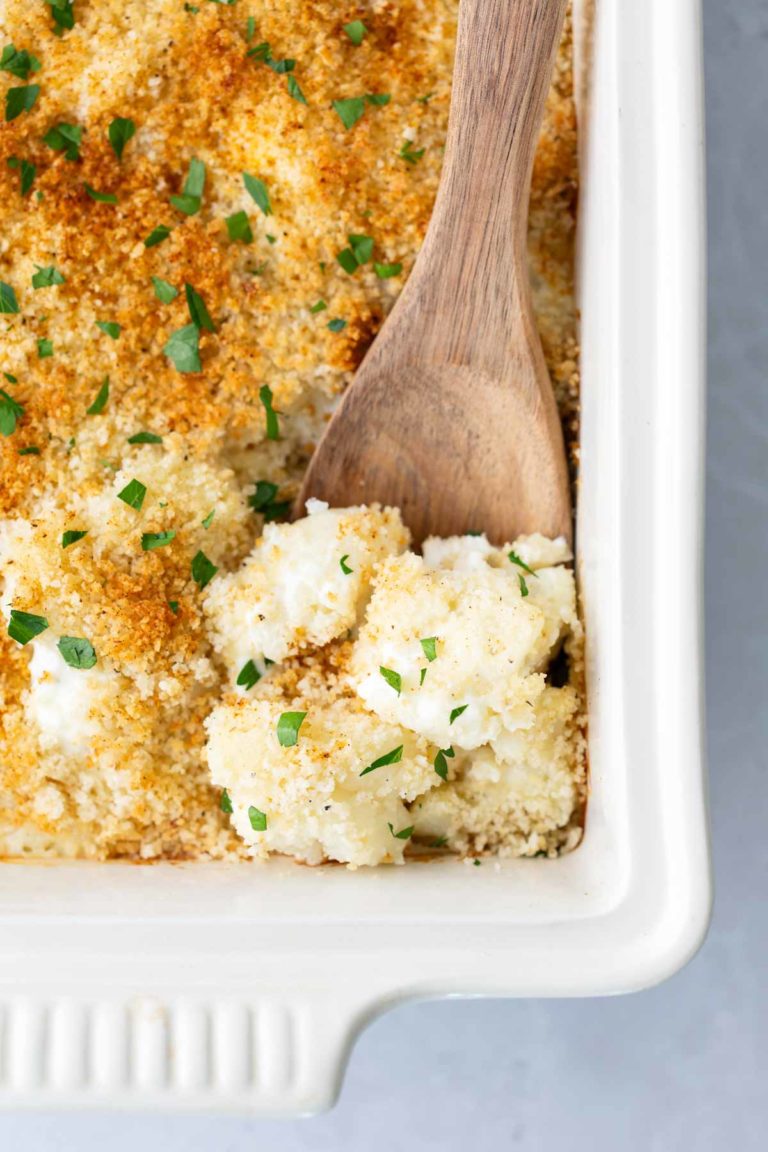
<point x="513" y="556"/>
<point x="10" y="413"/>
<point x="21" y="99"/>
<point x="30" y="450"/>
<point x="225" y="803"/>
<point x="257" y="190"/>
<point x="133" y="494"/>
<point x="24" y="626"/>
<point x="394" y="679"/>
<point x="392" y="757"/>
<point x="356" y="30"/>
<point x="457" y="712"/>
<point x="152" y="540"/>
<point x="288" y="728"/>
<point x="157" y="235"/>
<point x="441" y="762"/>
<point x="429" y="647"/>
<point x="410" y="154"/>
<point x="71" y="536"/>
<point x="77" y="652"/>
<point x="164" y="291"/>
<point x="9" y="305"/>
<point x="248" y="676"/>
<point x="18" y="63"/>
<point x="174" y="606"/>
<point x="120" y="131"/>
<point x="65" y="138"/>
<point x="263" y="500"/>
<point x="387" y="271"/>
<point x="46" y="277"/>
<point x="273" y="426"/>
<point x="295" y="91"/>
<point x="203" y="569"/>
<point x="344" y="566"/>
<point x="403" y="834"/>
<point x="336" y="325"/>
<point x="208" y="520"/>
<point x="44" y="348"/>
<point x="239" y="227"/>
<point x="258" y="819"/>
<point x="198" y="313"/>
<point x="109" y="328"/>
<point x="102" y="396"/>
<point x="145" y="438"/>
<point x="183" y="348"/>
<point x="27" y="172"/>
<point x="319" y="306"/>
<point x="350" y="110"/>
<point x="100" y="197"/>
<point x="190" y="200"/>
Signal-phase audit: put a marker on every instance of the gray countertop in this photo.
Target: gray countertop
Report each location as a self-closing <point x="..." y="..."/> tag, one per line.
<point x="684" y="1066"/>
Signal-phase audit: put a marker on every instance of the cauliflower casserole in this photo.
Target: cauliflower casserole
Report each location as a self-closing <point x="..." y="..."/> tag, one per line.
<point x="206" y="212"/>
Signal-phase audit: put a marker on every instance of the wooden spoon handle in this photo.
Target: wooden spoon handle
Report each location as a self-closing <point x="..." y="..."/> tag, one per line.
<point x="504" y="56"/>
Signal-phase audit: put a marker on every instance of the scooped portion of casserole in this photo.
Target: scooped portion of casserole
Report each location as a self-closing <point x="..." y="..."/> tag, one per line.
<point x="206" y="213"/>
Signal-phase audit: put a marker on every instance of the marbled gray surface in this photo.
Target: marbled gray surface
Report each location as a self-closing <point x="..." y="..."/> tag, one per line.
<point x="685" y="1066"/>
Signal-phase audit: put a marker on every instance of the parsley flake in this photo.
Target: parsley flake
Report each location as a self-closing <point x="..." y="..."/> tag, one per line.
<point x="208" y="520"/>
<point x="248" y="676"/>
<point x="21" y="99"/>
<point x="295" y="91"/>
<point x="183" y="348"/>
<point x="203" y="569"/>
<point x="164" y="291"/>
<point x="410" y="154"/>
<point x="10" y="413"/>
<point x="102" y="396"/>
<point x="392" y="757"/>
<point x="27" y="173"/>
<point x="9" y="305"/>
<point x="429" y="647"/>
<point x="257" y="190"/>
<point x="457" y="712"/>
<point x="350" y="110"/>
<point x="174" y="606"/>
<point x="71" y="536"/>
<point x="30" y="450"/>
<point x="145" y="438"/>
<point x="403" y="834"/>
<point x="120" y="131"/>
<point x="239" y="227"/>
<point x="157" y="235"/>
<point x="24" y="626"/>
<point x="273" y="426"/>
<point x="100" y="197"/>
<point x="336" y="325"/>
<point x="63" y="13"/>
<point x="387" y="271"/>
<point x="133" y="494"/>
<point x="319" y="306"/>
<point x="513" y="556"/>
<point x="46" y="277"/>
<point x="225" y="803"/>
<point x="190" y="200"/>
<point x="523" y="585"/>
<point x="263" y="500"/>
<point x="288" y="728"/>
<point x="152" y="540"/>
<point x="258" y="819"/>
<point x="441" y="762"/>
<point x="77" y="652"/>
<point x="356" y="30"/>
<point x="198" y="313"/>
<point x="44" y="348"/>
<point x="394" y="679"/>
<point x="344" y="566"/>
<point x="65" y="138"/>
<point x="18" y="63"/>
<point x="109" y="328"/>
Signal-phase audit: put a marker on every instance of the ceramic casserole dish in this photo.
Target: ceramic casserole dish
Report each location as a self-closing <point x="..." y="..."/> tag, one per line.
<point x="227" y="986"/>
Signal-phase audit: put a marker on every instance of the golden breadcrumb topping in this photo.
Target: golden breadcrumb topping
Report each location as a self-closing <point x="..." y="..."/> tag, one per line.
<point x="176" y="184"/>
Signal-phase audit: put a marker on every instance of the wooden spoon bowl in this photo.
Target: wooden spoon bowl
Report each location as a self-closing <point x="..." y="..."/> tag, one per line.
<point x="451" y="416"/>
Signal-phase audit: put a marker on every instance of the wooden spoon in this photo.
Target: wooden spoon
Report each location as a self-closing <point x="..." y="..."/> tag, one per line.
<point x="451" y="416"/>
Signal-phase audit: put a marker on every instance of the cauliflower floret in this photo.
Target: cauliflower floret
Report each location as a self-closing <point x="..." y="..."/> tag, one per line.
<point x="525" y="802"/>
<point x="458" y="651"/>
<point x="314" y="800"/>
<point x="303" y="585"/>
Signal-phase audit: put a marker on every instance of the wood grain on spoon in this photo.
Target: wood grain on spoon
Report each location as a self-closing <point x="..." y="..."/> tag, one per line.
<point x="451" y="416"/>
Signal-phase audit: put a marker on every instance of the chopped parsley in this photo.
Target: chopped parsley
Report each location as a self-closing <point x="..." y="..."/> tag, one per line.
<point x="513" y="556"/>
<point x="71" y="536"/>
<point x="198" y="313"/>
<point x="183" y="348"/>
<point x="387" y="271"/>
<point x="248" y="676"/>
<point x="109" y="328"/>
<point x="257" y="190"/>
<point x="336" y="325"/>
<point x="174" y="606"/>
<point x="457" y="712"/>
<point x="523" y="585"/>
<point x="273" y="426"/>
<point x="152" y="540"/>
<point x="239" y="227"/>
<point x="429" y="647"/>
<point x="11" y="378"/>
<point x="27" y="173"/>
<point x="100" y="197"/>
<point x="263" y="500"/>
<point x="224" y="802"/>
<point x="440" y="842"/>
<point x="21" y="99"/>
<point x="18" y="63"/>
<point x="190" y="200"/>
<point x="46" y="277"/>
<point x="350" y="110"/>
<point x="9" y="305"/>
<point x="44" y="348"/>
<point x="424" y="99"/>
<point x="295" y="91"/>
<point x="258" y="819"/>
<point x="394" y="679"/>
<point x="288" y="728"/>
<point x="359" y="252"/>
<point x="422" y="676"/>
<point x="65" y="138"/>
<point x="356" y="30"/>
<point x="157" y="235"/>
<point x="250" y="28"/>
<point x="77" y="652"/>
<point x="410" y="154"/>
<point x="63" y="13"/>
<point x="392" y="757"/>
<point x="263" y="54"/>
<point x="10" y="413"/>
<point x="145" y="438"/>
<point x="344" y="566"/>
<point x="319" y="306"/>
<point x="133" y="494"/>
<point x="24" y="626"/>
<point x="102" y="396"/>
<point x="403" y="834"/>
<point x="120" y="131"/>
<point x="203" y="569"/>
<point x="208" y="520"/>
<point x="30" y="450"/>
<point x="378" y="99"/>
<point x="441" y="762"/>
<point x="164" y="291"/>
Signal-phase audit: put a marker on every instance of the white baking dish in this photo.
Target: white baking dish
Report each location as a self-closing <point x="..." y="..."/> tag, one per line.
<point x="239" y="987"/>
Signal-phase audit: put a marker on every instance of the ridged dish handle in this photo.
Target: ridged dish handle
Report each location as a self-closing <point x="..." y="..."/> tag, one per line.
<point x="268" y="1055"/>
